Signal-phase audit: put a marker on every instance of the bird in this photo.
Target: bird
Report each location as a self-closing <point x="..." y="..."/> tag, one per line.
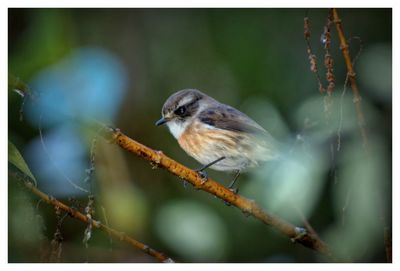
<point x="217" y="135"/>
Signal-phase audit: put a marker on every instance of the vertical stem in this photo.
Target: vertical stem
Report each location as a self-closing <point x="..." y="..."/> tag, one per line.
<point x="352" y="77"/>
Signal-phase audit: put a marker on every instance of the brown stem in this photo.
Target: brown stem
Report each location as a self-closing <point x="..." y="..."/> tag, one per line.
<point x="95" y="224"/>
<point x="352" y="77"/>
<point x="247" y="206"/>
<point x="307" y="224"/>
<point x="311" y="56"/>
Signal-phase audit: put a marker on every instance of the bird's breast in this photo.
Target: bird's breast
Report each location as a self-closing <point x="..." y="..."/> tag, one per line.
<point x="207" y="144"/>
<point x="192" y="141"/>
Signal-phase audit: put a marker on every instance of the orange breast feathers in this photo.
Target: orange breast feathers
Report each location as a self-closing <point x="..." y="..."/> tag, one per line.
<point x="206" y="144"/>
<point x="192" y="141"/>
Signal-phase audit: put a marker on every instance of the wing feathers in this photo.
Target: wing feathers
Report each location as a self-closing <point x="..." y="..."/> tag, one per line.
<point x="229" y="118"/>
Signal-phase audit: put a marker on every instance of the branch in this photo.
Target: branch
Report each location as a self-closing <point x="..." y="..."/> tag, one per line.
<point x="352" y="77"/>
<point x="311" y="56"/>
<point x="95" y="224"/>
<point x="247" y="206"/>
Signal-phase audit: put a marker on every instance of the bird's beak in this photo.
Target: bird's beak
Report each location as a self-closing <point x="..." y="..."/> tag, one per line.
<point x="161" y="121"/>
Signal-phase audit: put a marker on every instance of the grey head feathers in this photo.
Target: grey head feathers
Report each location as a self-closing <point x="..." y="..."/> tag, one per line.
<point x="182" y="104"/>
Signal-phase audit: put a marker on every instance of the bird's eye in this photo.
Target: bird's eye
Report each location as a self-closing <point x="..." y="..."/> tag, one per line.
<point x="180" y="111"/>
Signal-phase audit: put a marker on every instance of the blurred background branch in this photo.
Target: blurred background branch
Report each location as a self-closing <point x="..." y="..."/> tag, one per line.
<point x="352" y="77"/>
<point x="74" y="213"/>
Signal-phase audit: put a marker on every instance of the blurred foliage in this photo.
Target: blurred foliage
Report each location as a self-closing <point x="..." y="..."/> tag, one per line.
<point x="118" y="66"/>
<point x="15" y="158"/>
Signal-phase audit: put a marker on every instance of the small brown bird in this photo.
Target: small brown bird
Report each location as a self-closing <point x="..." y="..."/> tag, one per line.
<point x="215" y="134"/>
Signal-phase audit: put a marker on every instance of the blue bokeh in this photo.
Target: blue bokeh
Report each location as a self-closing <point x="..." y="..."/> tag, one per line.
<point x="89" y="84"/>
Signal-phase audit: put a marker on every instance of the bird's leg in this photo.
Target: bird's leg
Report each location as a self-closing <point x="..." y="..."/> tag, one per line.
<point x="234" y="190"/>
<point x="201" y="171"/>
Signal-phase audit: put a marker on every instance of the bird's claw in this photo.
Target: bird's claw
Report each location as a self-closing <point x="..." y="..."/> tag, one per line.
<point x="234" y="190"/>
<point x="203" y="175"/>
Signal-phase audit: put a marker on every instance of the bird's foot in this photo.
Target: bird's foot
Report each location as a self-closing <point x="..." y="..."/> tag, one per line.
<point x="203" y="175"/>
<point x="234" y="190"/>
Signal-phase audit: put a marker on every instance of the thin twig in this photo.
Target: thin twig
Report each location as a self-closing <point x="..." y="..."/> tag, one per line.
<point x="339" y="130"/>
<point x="311" y="56"/>
<point x="247" y="206"/>
<point x="95" y="224"/>
<point x="352" y="77"/>
<point x="328" y="60"/>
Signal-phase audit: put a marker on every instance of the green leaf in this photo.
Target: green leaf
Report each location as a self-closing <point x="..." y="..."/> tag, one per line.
<point x="15" y="158"/>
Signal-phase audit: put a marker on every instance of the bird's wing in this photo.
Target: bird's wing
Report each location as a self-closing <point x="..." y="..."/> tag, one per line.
<point x="228" y="118"/>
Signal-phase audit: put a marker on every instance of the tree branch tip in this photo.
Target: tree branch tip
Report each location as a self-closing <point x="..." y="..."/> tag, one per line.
<point x="116" y="132"/>
<point x="109" y="133"/>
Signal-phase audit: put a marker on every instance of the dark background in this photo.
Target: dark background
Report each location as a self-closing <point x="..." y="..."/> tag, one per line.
<point x="119" y="66"/>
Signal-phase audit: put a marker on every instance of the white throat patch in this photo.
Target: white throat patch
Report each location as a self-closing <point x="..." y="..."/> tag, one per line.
<point x="177" y="128"/>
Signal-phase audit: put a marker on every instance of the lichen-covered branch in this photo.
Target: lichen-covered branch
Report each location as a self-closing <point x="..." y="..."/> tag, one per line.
<point x="247" y="206"/>
<point x="352" y="76"/>
<point x="95" y="224"/>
